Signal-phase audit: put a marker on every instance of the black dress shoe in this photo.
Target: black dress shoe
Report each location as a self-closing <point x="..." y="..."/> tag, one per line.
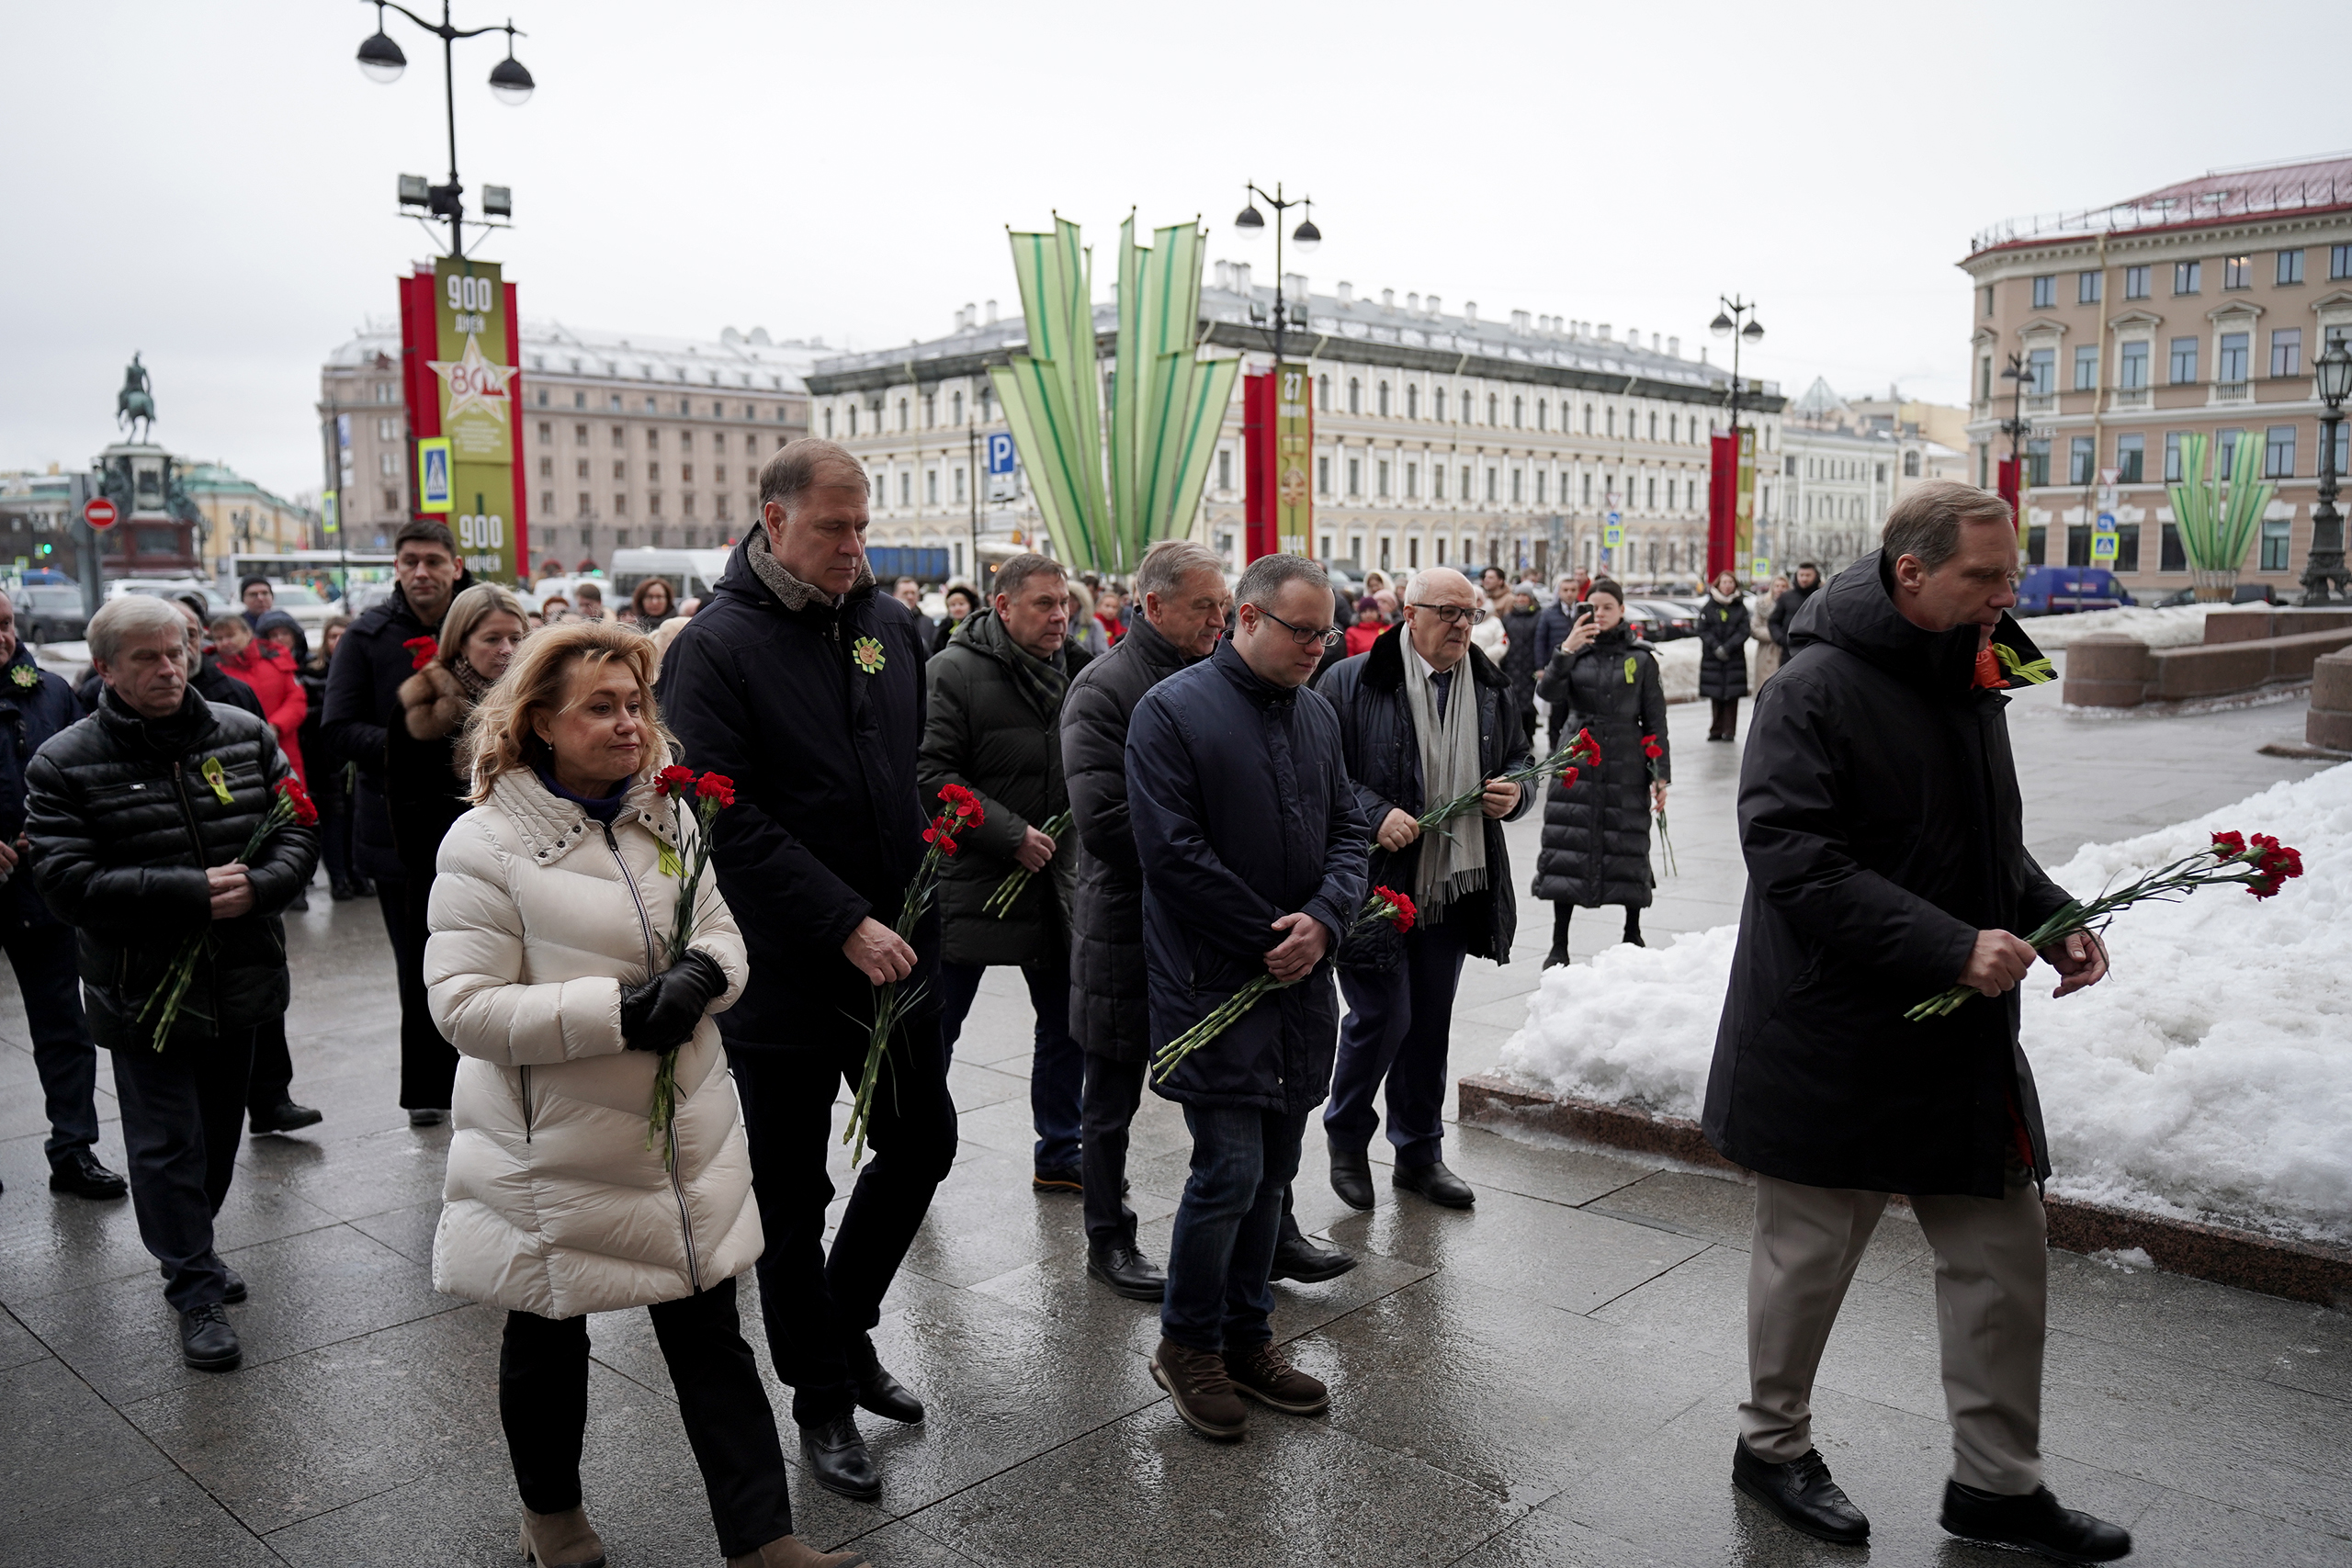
<point x="344" y="892"/>
<point x="1308" y="1261"/>
<point x="206" y="1342"/>
<point x="233" y="1295"/>
<point x="1057" y="1178"/>
<point x="1436" y="1183"/>
<point x="1554" y="958"/>
<point x="79" y="1172"/>
<point x="427" y="1118"/>
<point x="1351" y="1178"/>
<point x="284" y="1117"/>
<point x="1802" y="1493"/>
<point x="877" y="1391"/>
<point x="837" y="1458"/>
<point x="2033" y="1521"/>
<point x="1127" y="1272"/>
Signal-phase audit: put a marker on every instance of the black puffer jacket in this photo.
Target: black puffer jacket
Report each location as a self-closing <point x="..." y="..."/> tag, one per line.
<point x="1522" y="658"/>
<point x="1596" y="831"/>
<point x="123" y="823"/>
<point x="363" y="700"/>
<point x="982" y="730"/>
<point x="1384" y="760"/>
<point x="1723" y="648"/>
<point x="1107" y="1012"/>
<point x="1881" y="820"/>
<point x="422" y="793"/>
<point x="1784" y="611"/>
<point x="828" y="820"/>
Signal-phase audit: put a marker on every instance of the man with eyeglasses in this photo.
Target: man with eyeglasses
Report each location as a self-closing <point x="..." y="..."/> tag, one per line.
<point x="1253" y="849"/>
<point x="1424" y="717"/>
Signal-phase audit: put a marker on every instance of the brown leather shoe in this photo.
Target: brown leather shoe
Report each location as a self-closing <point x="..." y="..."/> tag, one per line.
<point x="561" y="1541"/>
<point x="791" y="1551"/>
<point x="1198" y="1387"/>
<point x="1266" y="1375"/>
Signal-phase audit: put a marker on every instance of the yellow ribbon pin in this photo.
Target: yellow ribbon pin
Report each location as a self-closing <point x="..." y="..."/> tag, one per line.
<point x="215" y="775"/>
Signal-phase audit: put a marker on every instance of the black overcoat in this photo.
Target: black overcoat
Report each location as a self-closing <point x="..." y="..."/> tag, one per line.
<point x="828" y="822"/>
<point x="1722" y="648"/>
<point x="1880" y="821"/>
<point x="1384" y="760"/>
<point x="1596" y="831"/>
<point x="1242" y="813"/>
<point x="34" y="706"/>
<point x="1108" y="1013"/>
<point x="363" y="701"/>
<point x="982" y="730"/>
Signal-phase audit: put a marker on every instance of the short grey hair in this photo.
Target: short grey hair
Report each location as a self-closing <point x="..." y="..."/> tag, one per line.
<point x="799" y="464"/>
<point x="1265" y="578"/>
<point x="1015" y="573"/>
<point x="1167" y="564"/>
<point x="1926" y="523"/>
<point x="132" y="616"/>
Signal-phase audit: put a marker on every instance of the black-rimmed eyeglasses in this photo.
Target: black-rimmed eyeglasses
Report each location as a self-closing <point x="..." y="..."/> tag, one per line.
<point x="1306" y="637"/>
<point x="1452" y="614"/>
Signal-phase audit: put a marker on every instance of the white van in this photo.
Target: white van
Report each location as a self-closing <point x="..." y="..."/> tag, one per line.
<point x="692" y="574"/>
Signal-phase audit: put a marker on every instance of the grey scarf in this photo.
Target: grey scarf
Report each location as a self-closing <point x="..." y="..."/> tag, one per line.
<point x="796" y="594"/>
<point x="1454" y="855"/>
<point x="1044" y="682"/>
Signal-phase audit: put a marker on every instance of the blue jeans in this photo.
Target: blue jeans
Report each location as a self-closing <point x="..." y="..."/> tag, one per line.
<point x="1057" y="1075"/>
<point x="1397" y="1028"/>
<point x="1221" y="1260"/>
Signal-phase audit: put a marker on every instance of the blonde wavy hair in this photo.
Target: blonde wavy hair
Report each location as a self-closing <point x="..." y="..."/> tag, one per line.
<point x="470" y="610"/>
<point x="500" y="737"/>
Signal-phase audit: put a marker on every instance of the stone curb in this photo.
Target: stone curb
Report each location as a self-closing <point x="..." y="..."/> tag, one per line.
<point x="2302" y="1272"/>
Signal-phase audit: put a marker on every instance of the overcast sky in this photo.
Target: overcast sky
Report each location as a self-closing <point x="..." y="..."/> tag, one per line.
<point x="213" y="184"/>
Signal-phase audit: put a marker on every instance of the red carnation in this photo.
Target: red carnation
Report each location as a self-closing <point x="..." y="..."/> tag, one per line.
<point x="1651" y="748"/>
<point x="421" y="651"/>
<point x="298" y="800"/>
<point x="1567" y="778"/>
<point x="717" y="787"/>
<point x="1400" y="906"/>
<point x="947" y="846"/>
<point x="675" y="780"/>
<point x="2229" y="845"/>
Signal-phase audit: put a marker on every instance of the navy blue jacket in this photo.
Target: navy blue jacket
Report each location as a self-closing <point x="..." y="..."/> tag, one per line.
<point x="1242" y="811"/>
<point x="828" y="820"/>
<point x="1383" y="759"/>
<point x="34" y="705"/>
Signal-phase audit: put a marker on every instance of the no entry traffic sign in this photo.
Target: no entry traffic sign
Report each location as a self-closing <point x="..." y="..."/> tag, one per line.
<point x="98" y="511"/>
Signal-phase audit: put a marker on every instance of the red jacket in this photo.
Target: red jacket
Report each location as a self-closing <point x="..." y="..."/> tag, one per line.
<point x="269" y="670"/>
<point x="1361" y="637"/>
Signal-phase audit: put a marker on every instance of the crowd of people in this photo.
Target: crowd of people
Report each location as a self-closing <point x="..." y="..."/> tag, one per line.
<point x="1178" y="791"/>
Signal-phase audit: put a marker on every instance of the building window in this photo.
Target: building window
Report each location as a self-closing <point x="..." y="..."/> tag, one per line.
<point x="2226" y="446"/>
<point x="959" y="486"/>
<point x="1323" y="394"/>
<point x="906" y="480"/>
<point x="2276" y="535"/>
<point x="1588" y="490"/>
<point x="1355" y="395"/>
<point x="1412" y="405"/>
<point x="1652" y="495"/>
<point x="2231" y="371"/>
<point x="1437" y="403"/>
<point x="2187" y="277"/>
<point x="828" y="424"/>
<point x="2042" y="372"/>
<point x="2278" y="452"/>
<point x="1491" y="485"/>
<point x="931" y="487"/>
<point x="2080" y="454"/>
<point x="2087" y="285"/>
<point x="2037" y="463"/>
<point x="2170" y="555"/>
<point x="1384" y="399"/>
<point x="621" y="506"/>
<point x="1543" y="414"/>
<point x="2045" y="292"/>
<point x="2184" y="361"/>
<point x="2085" y="368"/>
<point x="2237" y="272"/>
<point x="1610" y="419"/>
<point x="1412" y="555"/>
<point x="1985" y="299"/>
<point x="2172" y="456"/>
<point x="1323" y="476"/>
<point x="1380" y="478"/>
<point x="2135" y="283"/>
<point x="2133" y="372"/>
<point x="1539" y="487"/>
<point x="2291" y="267"/>
<point x="2131" y="456"/>
<point x="1355" y="476"/>
<point x="2287" y="351"/>
<point x="1465" y="481"/>
<point x="1911" y="465"/>
<point x="547" y="467"/>
<point x="1518" y="483"/>
<point x="1441" y="549"/>
<point x="1494" y="409"/>
<point x="1653" y="427"/>
<point x="955" y="407"/>
<point x="1983" y="381"/>
<point x="1225" y="470"/>
<point x="1412" y="481"/>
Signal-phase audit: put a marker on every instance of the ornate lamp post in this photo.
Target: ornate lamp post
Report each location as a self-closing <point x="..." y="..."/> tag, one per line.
<point x="2323" y="568"/>
<point x="1249" y="223"/>
<point x="1727" y="324"/>
<point x="380" y="60"/>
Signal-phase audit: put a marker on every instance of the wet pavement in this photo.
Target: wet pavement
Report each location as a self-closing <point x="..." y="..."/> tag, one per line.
<point x="1547" y="1380"/>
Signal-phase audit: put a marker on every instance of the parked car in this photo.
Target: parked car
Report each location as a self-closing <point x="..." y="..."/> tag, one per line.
<point x="1669" y="619"/>
<point x="46" y="613"/>
<point x="169" y="588"/>
<point x="2062" y="590"/>
<point x="2244" y="594"/>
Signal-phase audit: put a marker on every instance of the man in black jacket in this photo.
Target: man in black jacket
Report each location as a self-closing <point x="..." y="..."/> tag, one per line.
<point x="993" y="725"/>
<point x="805" y="685"/>
<point x="363" y="697"/>
<point x="1252" y="850"/>
<point x="138" y="817"/>
<point x="1425" y="718"/>
<point x="1884" y="837"/>
<point x="1785" y="609"/>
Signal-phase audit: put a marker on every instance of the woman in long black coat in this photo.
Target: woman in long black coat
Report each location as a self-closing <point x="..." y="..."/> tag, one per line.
<point x="1724" y="620"/>
<point x="1523" y="658"/>
<point x="1596" y="831"/>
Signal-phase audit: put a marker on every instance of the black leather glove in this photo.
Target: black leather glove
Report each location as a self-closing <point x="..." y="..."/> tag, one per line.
<point x="662" y="1012"/>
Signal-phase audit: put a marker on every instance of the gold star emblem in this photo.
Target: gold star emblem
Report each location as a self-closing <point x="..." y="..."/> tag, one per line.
<point x="474" y="382"/>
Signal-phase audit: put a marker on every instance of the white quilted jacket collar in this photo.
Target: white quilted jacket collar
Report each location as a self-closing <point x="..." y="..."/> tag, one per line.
<point x="552" y="827"/>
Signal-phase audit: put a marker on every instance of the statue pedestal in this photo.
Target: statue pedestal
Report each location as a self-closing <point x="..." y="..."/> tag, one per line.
<point x="154" y="537"/>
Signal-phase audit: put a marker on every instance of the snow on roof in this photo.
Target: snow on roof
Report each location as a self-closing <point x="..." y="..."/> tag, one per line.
<point x="2219" y="195"/>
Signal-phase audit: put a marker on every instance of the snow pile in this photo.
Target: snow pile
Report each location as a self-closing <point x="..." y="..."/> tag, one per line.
<point x="2209" y="1077"/>
<point x="2181" y="625"/>
<point x="1678" y="667"/>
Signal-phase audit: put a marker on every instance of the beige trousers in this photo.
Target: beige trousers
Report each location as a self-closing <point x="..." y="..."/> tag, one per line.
<point x="1992" y="1297"/>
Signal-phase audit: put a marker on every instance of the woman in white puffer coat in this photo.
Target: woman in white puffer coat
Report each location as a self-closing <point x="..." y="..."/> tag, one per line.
<point x="551" y="910"/>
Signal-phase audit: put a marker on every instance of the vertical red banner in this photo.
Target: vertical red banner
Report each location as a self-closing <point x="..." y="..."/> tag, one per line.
<point x="521" y="493"/>
<point x="1723" y="504"/>
<point x="419" y="387"/>
<point x="1260" y="467"/>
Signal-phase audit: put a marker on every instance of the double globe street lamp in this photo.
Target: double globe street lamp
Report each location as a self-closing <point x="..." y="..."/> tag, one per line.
<point x="381" y="60"/>
<point x="1251" y="223"/>
<point x="2325" y="582"/>
<point x="1727" y="324"/>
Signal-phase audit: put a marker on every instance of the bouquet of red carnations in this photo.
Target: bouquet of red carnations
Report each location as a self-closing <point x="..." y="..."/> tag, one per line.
<point x="1581" y="750"/>
<point x="290" y="804"/>
<point x="1655" y="753"/>
<point x="712" y="793"/>
<point x="959" y="808"/>
<point x="2258" y="862"/>
<point x="1385" y="904"/>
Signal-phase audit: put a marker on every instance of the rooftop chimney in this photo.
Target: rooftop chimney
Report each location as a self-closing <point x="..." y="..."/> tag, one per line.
<point x="1519" y="322"/>
<point x="1241" y="279"/>
<point x="1604" y="333"/>
<point x="1470" y="311"/>
<point x="1437" y="307"/>
<point x="1294" y="288"/>
<point x="991" y="309"/>
<point x="1388" y="301"/>
<point x="1674" y="348"/>
<point x="1412" y="304"/>
<point x="1347" y="293"/>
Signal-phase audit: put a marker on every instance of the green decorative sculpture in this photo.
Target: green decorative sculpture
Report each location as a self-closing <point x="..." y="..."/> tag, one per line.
<point x="135" y="404"/>
<point x="2217" y="527"/>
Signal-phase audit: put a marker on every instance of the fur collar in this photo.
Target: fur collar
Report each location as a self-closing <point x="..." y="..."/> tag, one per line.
<point x="433" y="703"/>
<point x="551" y="828"/>
<point x="1384" y="667"/>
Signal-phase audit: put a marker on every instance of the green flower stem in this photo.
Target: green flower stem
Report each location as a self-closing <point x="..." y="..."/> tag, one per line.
<point x="171" y="993"/>
<point x="1000" y="902"/>
<point x="1228" y="1011"/>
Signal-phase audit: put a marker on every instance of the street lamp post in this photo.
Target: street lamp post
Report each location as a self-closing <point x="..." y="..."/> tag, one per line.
<point x="1727" y="324"/>
<point x="380" y="60"/>
<point x="1249" y="223"/>
<point x="2324" y="569"/>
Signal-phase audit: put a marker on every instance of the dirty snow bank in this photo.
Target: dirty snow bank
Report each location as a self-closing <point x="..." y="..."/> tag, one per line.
<point x="2209" y="1077"/>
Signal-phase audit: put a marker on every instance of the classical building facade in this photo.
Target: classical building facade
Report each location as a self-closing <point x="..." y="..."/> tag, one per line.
<point x="2198" y="307"/>
<point x="1440" y="437"/>
<point x="632" y="440"/>
<point x="242" y="517"/>
<point x="1844" y="464"/>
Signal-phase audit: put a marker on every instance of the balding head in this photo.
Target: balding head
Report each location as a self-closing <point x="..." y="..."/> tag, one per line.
<point x="1436" y="592"/>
